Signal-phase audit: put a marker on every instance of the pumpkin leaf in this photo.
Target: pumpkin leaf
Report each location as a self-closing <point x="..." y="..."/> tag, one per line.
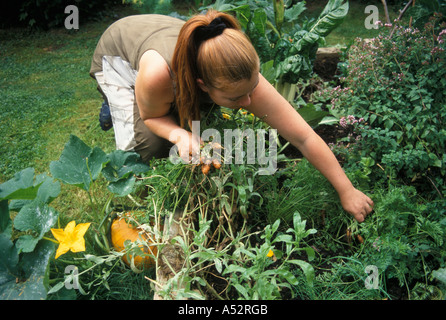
<point x="48" y="190"/>
<point x="121" y="169"/>
<point x="9" y="258"/>
<point x="26" y="279"/>
<point x="121" y="164"/>
<point x="37" y="219"/>
<point x="123" y="186"/>
<point x="4" y="215"/>
<point x="23" y="189"/>
<point x="78" y="165"/>
<point x="21" y="186"/>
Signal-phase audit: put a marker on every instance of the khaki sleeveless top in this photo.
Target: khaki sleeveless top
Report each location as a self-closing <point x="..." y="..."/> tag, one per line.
<point x="131" y="36"/>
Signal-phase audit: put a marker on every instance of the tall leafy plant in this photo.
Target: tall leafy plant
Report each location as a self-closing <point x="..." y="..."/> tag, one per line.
<point x="286" y="44"/>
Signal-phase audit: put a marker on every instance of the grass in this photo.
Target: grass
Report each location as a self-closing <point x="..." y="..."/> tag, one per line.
<point x="46" y="95"/>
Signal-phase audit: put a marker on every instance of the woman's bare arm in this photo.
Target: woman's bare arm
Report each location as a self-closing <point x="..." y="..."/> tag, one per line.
<point x="154" y="96"/>
<point x="268" y="104"/>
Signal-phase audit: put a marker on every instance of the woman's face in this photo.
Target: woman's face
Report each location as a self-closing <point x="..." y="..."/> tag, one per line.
<point x="233" y="95"/>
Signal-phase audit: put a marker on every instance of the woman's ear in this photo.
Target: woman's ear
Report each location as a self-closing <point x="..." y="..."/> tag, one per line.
<point x="202" y="85"/>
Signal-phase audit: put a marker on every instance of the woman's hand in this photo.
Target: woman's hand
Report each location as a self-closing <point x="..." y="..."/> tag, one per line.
<point x="356" y="203"/>
<point x="187" y="143"/>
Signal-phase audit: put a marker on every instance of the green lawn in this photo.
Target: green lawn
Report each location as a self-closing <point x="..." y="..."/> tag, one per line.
<point x="46" y="95"/>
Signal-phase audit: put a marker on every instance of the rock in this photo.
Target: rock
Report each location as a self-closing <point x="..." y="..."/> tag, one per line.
<point x="326" y="62"/>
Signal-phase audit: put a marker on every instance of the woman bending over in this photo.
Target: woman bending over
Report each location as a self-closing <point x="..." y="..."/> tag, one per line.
<point x="155" y="72"/>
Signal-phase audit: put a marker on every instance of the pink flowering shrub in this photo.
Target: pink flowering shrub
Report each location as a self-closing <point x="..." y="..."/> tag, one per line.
<point x="396" y="85"/>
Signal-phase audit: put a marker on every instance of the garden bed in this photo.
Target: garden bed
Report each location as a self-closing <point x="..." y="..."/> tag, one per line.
<point x="283" y="236"/>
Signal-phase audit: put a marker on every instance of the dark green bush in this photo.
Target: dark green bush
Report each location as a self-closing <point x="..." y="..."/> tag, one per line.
<point x="396" y="84"/>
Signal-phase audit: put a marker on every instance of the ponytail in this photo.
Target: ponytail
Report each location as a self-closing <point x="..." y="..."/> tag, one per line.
<point x="213" y="48"/>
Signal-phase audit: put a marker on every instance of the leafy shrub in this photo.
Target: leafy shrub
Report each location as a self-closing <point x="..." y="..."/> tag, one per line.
<point x="422" y="10"/>
<point x="404" y="239"/>
<point x="396" y="84"/>
<point x="152" y="6"/>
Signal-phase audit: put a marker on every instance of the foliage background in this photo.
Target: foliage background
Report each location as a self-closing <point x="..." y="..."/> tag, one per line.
<point x="46" y="14"/>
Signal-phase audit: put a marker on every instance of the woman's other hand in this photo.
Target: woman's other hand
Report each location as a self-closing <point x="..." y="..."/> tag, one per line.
<point x="357" y="204"/>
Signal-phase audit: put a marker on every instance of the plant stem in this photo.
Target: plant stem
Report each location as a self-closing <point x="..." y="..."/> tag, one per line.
<point x="213" y="291"/>
<point x="52" y="240"/>
<point x="92" y="203"/>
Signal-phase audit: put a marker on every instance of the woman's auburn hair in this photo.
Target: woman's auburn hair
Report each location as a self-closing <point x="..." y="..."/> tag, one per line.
<point x="219" y="61"/>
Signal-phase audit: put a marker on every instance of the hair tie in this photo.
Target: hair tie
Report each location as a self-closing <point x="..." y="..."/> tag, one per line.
<point x="215" y="28"/>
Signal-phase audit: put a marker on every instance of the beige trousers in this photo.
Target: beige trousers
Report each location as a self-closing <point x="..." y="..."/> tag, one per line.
<point x="117" y="83"/>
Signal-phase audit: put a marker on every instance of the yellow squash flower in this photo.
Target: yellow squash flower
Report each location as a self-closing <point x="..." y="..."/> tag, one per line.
<point x="70" y="238"/>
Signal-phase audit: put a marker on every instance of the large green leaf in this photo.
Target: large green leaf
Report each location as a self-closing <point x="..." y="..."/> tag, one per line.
<point x="21" y="186"/>
<point x="311" y="115"/>
<point x="297" y="63"/>
<point x="331" y="17"/>
<point x="22" y="189"/>
<point x="122" y="187"/>
<point x="79" y="164"/>
<point x="259" y="20"/>
<point x="243" y="15"/>
<point x="4" y="215"/>
<point x="121" y="164"/>
<point x="121" y="170"/>
<point x="268" y="71"/>
<point x="36" y="219"/>
<point x="292" y="14"/>
<point x="48" y="190"/>
<point x="26" y="279"/>
<point x="9" y="259"/>
<point x="221" y="5"/>
<point x="305" y="42"/>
